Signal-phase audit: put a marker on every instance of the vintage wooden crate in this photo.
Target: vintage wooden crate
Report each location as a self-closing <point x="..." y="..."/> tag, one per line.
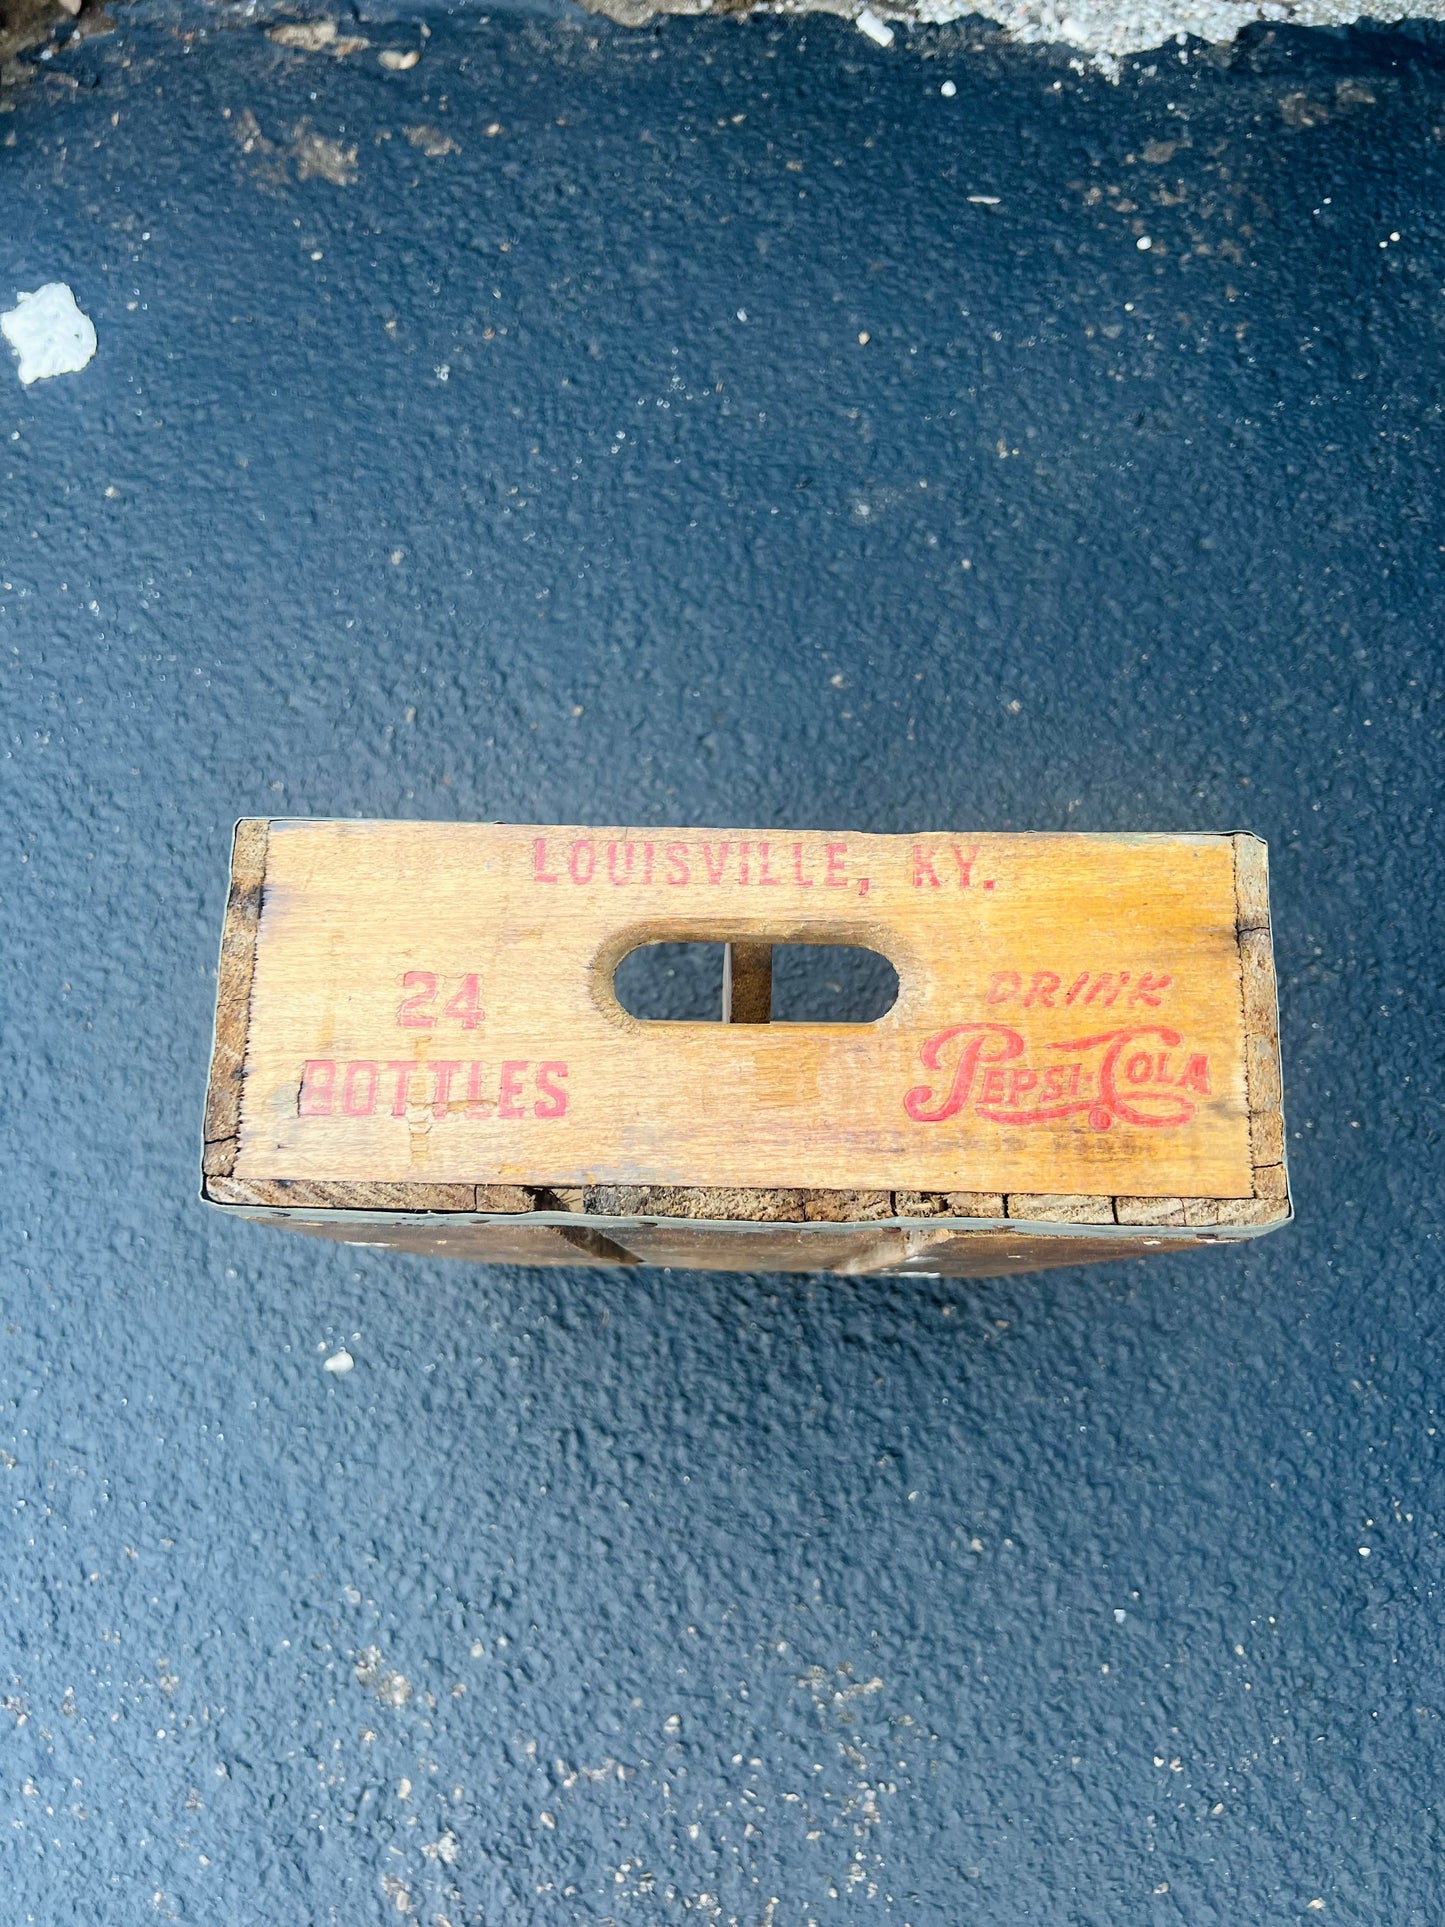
<point x="418" y="1045"/>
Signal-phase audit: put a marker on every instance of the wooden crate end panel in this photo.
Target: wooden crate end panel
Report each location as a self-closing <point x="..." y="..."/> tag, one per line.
<point x="430" y="1145"/>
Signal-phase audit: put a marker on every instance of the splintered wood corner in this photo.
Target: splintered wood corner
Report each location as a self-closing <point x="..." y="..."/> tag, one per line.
<point x="418" y="1044"/>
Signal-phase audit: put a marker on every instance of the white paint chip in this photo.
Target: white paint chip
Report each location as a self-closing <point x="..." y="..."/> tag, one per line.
<point x="308" y="36"/>
<point x="948" y="90"/>
<point x="339" y="1364"/>
<point x="878" y="31"/>
<point x="48" y="332"/>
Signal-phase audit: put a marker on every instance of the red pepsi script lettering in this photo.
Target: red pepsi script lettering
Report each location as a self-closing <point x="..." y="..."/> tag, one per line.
<point x="1114" y="1076"/>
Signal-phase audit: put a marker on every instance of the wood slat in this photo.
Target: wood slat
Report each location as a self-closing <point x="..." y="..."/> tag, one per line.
<point x="233" y="994"/>
<point x="1061" y="1209"/>
<point x="747" y="983"/>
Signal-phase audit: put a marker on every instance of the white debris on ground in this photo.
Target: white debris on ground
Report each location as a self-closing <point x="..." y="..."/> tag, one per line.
<point x="48" y="332"/>
<point x="1103" y="29"/>
<point x="1109" y="28"/>
<point x="339" y="1364"/>
<point x="315" y="37"/>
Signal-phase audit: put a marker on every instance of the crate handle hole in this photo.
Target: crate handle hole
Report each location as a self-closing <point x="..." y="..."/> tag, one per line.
<point x="751" y="982"/>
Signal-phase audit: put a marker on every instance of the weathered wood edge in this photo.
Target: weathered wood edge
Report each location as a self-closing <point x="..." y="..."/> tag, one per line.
<point x="1095" y="1217"/>
<point x="305" y="1194"/>
<point x="234" y="972"/>
<point x="614" y="1204"/>
<point x="880" y="1247"/>
<point x="1260" y="1002"/>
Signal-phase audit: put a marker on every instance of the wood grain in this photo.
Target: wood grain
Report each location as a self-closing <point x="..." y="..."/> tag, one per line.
<point x="747" y="996"/>
<point x="1149" y="1210"/>
<point x="1260" y="1000"/>
<point x="949" y="1204"/>
<point x="311" y="1195"/>
<point x="233" y="995"/>
<point x="989" y="935"/>
<point x="1054" y="1209"/>
<point x="1251" y="881"/>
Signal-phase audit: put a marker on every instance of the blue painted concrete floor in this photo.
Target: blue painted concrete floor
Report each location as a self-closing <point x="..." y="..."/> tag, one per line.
<point x="718" y="424"/>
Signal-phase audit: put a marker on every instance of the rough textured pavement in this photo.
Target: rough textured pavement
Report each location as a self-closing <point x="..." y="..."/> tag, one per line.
<point x="428" y="467"/>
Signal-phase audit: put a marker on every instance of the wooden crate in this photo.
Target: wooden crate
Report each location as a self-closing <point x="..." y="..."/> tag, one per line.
<point x="418" y="1045"/>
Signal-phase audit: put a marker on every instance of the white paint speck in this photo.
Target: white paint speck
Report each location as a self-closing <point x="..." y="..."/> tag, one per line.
<point x="1143" y="244"/>
<point x="48" y="332"/>
<point x="339" y="1364"/>
<point x="1119" y="1615"/>
<point x="878" y="31"/>
<point x="948" y="90"/>
<point x="392" y="1689"/>
<point x="397" y="1892"/>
